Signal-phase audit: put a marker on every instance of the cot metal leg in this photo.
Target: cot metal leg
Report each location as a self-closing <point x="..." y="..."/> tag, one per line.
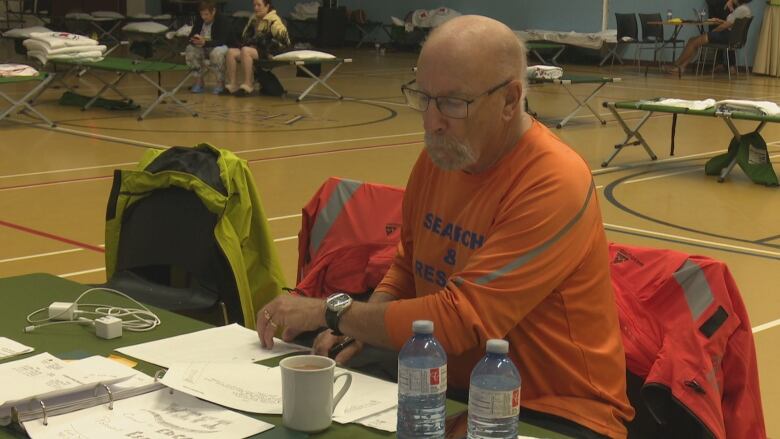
<point x="163" y="93"/>
<point x="23" y="104"/>
<point x="321" y="81"/>
<point x="580" y="104"/>
<point x="107" y="85"/>
<point x="630" y="134"/>
<point x="554" y="59"/>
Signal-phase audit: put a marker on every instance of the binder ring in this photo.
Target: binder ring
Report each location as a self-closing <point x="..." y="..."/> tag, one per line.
<point x="159" y="374"/>
<point x="43" y="409"/>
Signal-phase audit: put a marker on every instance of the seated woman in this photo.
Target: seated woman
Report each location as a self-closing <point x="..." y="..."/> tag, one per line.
<point x="208" y="40"/>
<point x="264" y="35"/>
<point x="719" y="35"/>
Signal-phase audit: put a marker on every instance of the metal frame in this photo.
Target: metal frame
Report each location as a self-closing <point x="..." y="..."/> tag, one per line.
<point x="580" y="103"/>
<point x="725" y="116"/>
<point x="316" y="80"/>
<point x="554" y="59"/>
<point x="25" y="103"/>
<point x="162" y="93"/>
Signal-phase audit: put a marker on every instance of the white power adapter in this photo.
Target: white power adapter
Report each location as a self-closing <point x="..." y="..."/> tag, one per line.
<point x="62" y="310"/>
<point x="108" y="327"/>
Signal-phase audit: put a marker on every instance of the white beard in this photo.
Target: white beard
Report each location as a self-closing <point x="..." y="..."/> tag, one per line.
<point x="449" y="153"/>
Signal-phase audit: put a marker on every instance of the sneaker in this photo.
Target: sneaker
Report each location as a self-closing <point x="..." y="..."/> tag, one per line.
<point x="218" y="90"/>
<point x="197" y="88"/>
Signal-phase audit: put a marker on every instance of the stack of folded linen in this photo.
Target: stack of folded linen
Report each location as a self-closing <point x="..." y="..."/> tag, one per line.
<point x="544" y="72"/>
<point x="63" y="46"/>
<point x="766" y="108"/>
<point x="16" y="70"/>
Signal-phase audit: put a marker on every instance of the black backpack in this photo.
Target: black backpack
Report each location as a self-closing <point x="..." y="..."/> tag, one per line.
<point x="269" y="83"/>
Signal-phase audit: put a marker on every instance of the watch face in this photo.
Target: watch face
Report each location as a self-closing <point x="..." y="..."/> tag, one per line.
<point x="339" y="301"/>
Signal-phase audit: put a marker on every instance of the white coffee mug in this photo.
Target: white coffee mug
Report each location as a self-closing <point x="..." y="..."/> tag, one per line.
<point x="307" y="392"/>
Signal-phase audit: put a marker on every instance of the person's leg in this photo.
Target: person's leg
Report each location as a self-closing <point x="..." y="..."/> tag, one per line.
<point x="248" y="57"/>
<point x="690" y="51"/>
<point x="217" y="57"/>
<point x="231" y="64"/>
<point x="193" y="56"/>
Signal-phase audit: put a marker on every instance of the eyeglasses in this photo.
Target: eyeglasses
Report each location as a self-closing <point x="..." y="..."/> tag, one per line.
<point x="456" y="108"/>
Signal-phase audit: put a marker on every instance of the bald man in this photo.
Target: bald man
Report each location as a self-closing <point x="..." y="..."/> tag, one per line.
<point x="502" y="237"/>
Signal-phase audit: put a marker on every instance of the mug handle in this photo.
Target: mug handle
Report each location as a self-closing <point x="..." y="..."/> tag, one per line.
<point x="344" y="388"/>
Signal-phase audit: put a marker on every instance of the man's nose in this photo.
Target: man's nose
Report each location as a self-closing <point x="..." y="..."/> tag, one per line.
<point x="433" y="120"/>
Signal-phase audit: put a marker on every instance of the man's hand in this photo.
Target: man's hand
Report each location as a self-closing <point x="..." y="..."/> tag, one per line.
<point x="294" y="314"/>
<point x="325" y="341"/>
<point x="729" y="5"/>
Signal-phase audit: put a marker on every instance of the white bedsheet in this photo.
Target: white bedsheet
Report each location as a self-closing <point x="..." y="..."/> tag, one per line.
<point x="593" y="40"/>
<point x="40" y="46"/>
<point x="57" y="40"/>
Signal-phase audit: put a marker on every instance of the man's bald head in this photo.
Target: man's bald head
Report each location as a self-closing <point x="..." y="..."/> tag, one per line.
<point x="480" y="48"/>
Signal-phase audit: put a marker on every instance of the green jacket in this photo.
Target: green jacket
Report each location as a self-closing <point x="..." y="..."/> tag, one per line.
<point x="242" y="229"/>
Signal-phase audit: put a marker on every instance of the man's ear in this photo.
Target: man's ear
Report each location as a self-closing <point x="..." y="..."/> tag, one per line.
<point x="512" y="99"/>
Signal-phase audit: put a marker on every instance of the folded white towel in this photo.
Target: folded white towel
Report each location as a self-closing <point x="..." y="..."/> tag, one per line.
<point x="544" y="72"/>
<point x="762" y="107"/>
<point x="57" y="40"/>
<point x="43" y="57"/>
<point x="8" y="70"/>
<point x="683" y="103"/>
<point x="37" y="45"/>
<point x="24" y="32"/>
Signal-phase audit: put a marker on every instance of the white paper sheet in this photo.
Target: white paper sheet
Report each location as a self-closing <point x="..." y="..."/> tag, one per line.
<point x="231" y="343"/>
<point x="366" y="396"/>
<point x="258" y="389"/>
<point x="45" y="376"/>
<point x="249" y="387"/>
<point x="10" y="348"/>
<point x="386" y="420"/>
<point x="155" y="415"/>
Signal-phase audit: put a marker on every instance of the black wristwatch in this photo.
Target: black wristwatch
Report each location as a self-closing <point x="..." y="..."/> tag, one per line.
<point x="335" y="305"/>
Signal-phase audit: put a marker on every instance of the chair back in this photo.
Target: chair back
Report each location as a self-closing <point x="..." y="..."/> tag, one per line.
<point x="651" y="32"/>
<point x="626" y="27"/>
<point x="739" y="32"/>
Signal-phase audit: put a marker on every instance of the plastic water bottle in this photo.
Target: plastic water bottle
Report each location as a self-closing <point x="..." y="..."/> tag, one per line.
<point x="494" y="394"/>
<point x="668" y="14"/>
<point x="422" y="384"/>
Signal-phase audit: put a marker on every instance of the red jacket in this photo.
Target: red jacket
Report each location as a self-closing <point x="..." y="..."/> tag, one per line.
<point x="348" y="238"/>
<point x="686" y="331"/>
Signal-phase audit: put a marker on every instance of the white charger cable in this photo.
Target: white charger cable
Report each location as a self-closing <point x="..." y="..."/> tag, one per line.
<point x="132" y="319"/>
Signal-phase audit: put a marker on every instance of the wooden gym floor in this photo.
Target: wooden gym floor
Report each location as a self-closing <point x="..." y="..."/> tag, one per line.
<point x="54" y="183"/>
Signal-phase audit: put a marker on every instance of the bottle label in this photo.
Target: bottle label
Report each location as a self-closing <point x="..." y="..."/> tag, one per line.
<point x="413" y="381"/>
<point x="494" y="404"/>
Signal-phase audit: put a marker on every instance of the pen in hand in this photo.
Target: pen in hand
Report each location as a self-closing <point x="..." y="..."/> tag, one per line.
<point x="336" y="349"/>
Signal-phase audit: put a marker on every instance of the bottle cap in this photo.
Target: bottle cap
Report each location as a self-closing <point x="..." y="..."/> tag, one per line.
<point x="497" y="346"/>
<point x="422" y="327"/>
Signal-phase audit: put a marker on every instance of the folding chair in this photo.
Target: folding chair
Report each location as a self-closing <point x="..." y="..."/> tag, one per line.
<point x="24" y="104"/>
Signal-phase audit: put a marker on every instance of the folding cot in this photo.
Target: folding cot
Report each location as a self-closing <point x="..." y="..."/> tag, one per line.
<point x="24" y="104"/>
<point x="103" y="23"/>
<point x="650" y="107"/>
<point x="568" y="80"/>
<point x="537" y="46"/>
<point x="304" y="64"/>
<point x="124" y="66"/>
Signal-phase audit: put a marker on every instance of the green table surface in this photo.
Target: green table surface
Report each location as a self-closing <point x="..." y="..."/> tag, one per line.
<point x="23" y="294"/>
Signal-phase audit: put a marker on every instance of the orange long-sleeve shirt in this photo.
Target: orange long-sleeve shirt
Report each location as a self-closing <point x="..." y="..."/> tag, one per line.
<point x="518" y="252"/>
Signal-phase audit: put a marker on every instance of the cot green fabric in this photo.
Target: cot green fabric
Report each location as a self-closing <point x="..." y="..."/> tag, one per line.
<point x="751" y="155"/>
<point x="242" y="230"/>
<point x="575" y="79"/>
<point x="15" y="79"/>
<point x="127" y="65"/>
<point x="711" y="112"/>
